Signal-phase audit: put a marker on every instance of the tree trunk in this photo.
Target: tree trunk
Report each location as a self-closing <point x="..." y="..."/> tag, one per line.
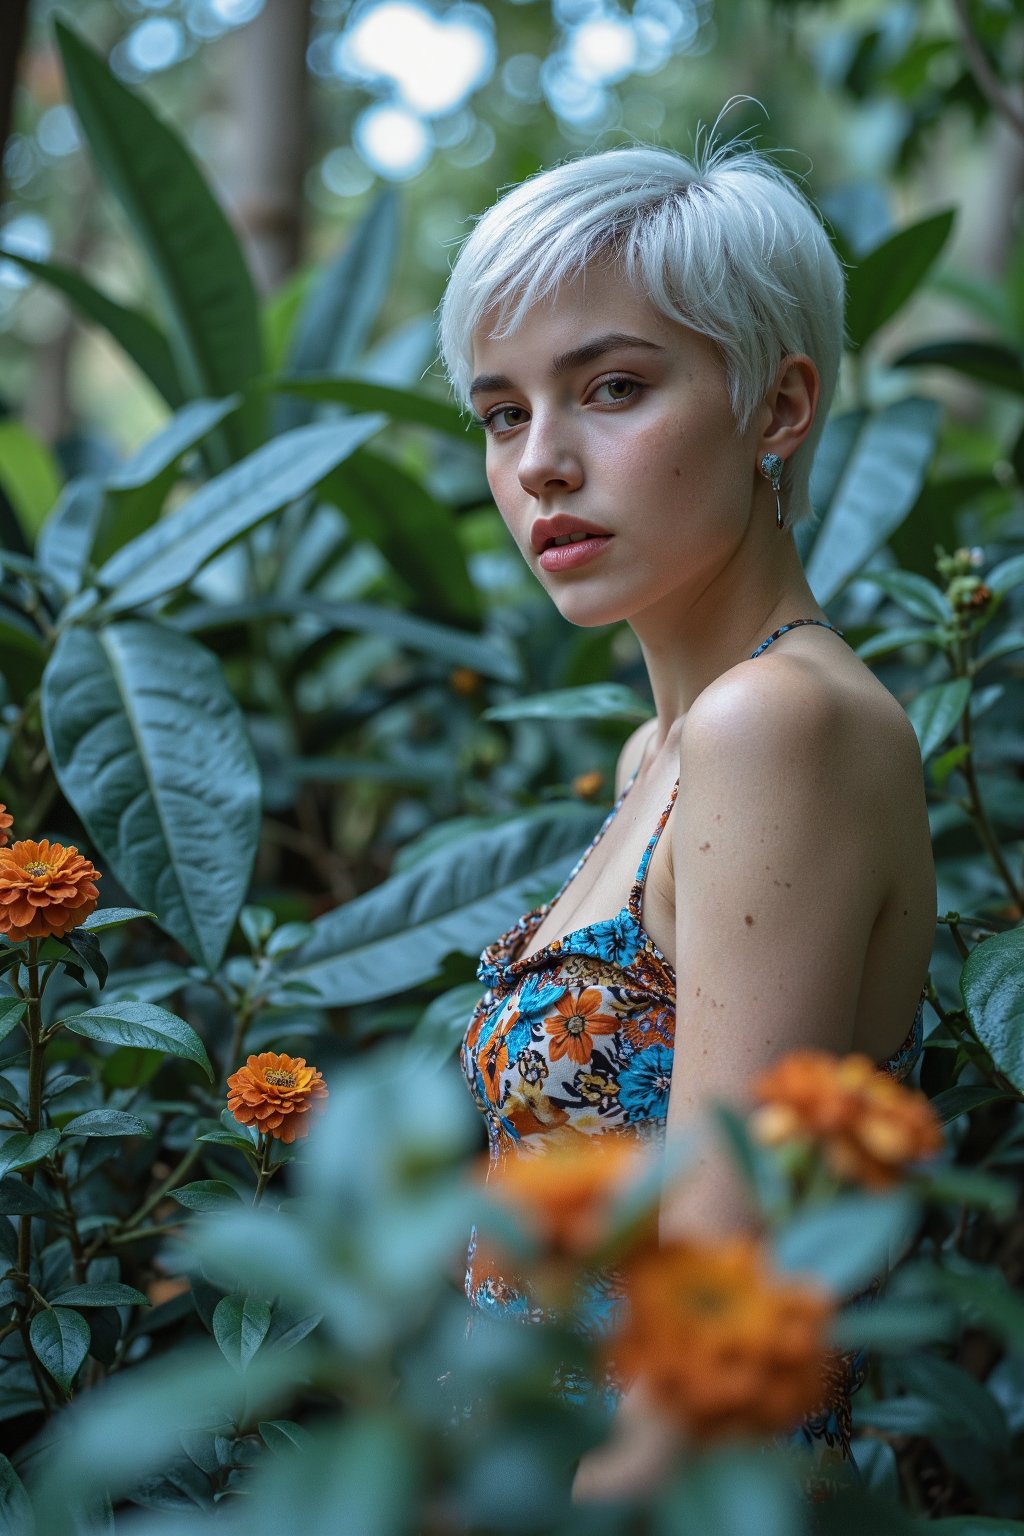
<point x="13" y="18"/>
<point x="270" y="99"/>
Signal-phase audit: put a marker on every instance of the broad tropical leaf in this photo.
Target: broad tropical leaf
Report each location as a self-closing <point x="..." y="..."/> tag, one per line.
<point x="152" y="751"/>
<point x="397" y="935"/>
<point x="169" y="554"/>
<point x="867" y="476"/>
<point x="213" y="314"/>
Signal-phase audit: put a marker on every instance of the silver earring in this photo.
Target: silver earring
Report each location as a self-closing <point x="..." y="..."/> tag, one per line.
<point x="771" y="468"/>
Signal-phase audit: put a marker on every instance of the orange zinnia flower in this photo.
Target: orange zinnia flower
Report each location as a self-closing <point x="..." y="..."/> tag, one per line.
<point x="275" y="1094"/>
<point x="45" y="890"/>
<point x="6" y="820"/>
<point x="574" y="1022"/>
<point x="867" y="1124"/>
<point x="566" y="1196"/>
<point x="725" y="1346"/>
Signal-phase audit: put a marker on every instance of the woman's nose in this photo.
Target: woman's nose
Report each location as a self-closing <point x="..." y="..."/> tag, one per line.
<point x="549" y="461"/>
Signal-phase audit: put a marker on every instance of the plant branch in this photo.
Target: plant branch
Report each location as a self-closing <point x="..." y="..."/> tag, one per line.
<point x="986" y="79"/>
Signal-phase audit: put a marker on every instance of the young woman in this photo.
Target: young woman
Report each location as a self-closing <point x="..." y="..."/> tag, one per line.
<point x="651" y="346"/>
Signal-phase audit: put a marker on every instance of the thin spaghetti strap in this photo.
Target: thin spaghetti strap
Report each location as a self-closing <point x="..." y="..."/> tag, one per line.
<point x="637" y="891"/>
<point x="794" y="624"/>
<point x="602" y="829"/>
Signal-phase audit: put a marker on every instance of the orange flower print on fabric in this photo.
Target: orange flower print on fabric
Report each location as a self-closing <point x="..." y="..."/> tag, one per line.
<point x="867" y="1126"/>
<point x="277" y="1094"/>
<point x="726" y="1347"/>
<point x="574" y="1023"/>
<point x="45" y="890"/>
<point x="6" y="822"/>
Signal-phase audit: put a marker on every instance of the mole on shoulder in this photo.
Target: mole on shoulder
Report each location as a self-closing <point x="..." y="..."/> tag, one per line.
<point x="749" y="920"/>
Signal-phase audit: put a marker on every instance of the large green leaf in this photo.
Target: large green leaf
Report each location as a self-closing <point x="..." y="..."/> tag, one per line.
<point x="336" y="318"/>
<point x="888" y="275"/>
<point x="168" y="555"/>
<point x="136" y="334"/>
<point x="109" y="1293"/>
<point x="143" y="1026"/>
<point x="844" y="1244"/>
<point x="936" y="711"/>
<point x="867" y="476"/>
<point x="106" y="1122"/>
<point x="992" y="984"/>
<point x="397" y="935"/>
<point x="15" y="1507"/>
<point x="592" y="701"/>
<point x="152" y="751"/>
<point x="405" y="405"/>
<point x="240" y="1324"/>
<point x="213" y="314"/>
<point x="138" y="487"/>
<point x="20" y="1150"/>
<point x="490" y="655"/>
<point x="67" y="539"/>
<point x="987" y="361"/>
<point x="415" y="533"/>
<point x="61" y="1339"/>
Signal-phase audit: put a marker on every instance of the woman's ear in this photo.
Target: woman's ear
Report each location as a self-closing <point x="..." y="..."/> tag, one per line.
<point x="790" y="405"/>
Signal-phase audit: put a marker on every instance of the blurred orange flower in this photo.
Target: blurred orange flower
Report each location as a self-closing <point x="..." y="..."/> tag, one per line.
<point x="867" y="1124"/>
<point x="276" y="1093"/>
<point x="566" y="1196"/>
<point x="45" y="890"/>
<point x="6" y="821"/>
<point x="725" y="1346"/>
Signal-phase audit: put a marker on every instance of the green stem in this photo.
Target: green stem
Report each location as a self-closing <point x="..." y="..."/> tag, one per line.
<point x="265" y="1170"/>
<point x="36" y="1060"/>
<point x="129" y="1229"/>
<point x="975" y="806"/>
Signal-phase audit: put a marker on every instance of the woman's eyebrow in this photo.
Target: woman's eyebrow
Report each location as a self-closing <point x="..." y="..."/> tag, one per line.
<point x="566" y="361"/>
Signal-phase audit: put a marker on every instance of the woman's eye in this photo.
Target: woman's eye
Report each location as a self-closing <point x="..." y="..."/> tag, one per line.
<point x="503" y="418"/>
<point x="618" y="389"/>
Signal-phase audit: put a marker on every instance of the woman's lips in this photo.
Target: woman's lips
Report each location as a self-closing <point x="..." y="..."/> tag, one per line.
<point x="565" y="557"/>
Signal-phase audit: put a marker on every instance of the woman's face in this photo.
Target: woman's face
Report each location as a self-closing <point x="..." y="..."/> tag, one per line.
<point x="600" y="408"/>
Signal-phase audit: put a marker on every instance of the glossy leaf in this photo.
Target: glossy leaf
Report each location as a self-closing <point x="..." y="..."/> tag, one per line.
<point x="208" y="292"/>
<point x="845" y="1244"/>
<point x="135" y="333"/>
<point x="868" y="474"/>
<point x="915" y="593"/>
<point x="20" y="1150"/>
<point x="396" y="935"/>
<point x="593" y="701"/>
<point x="403" y="405"/>
<point x="12" y="1011"/>
<point x="341" y="306"/>
<point x="240" y="1325"/>
<point x="61" y="1338"/>
<point x="961" y="1099"/>
<point x="415" y="533"/>
<point x="206" y="1195"/>
<point x="992" y="986"/>
<point x="68" y="536"/>
<point x="16" y="1518"/>
<point x="936" y="711"/>
<point x="112" y="917"/>
<point x="141" y="1025"/>
<point x="164" y="778"/>
<point x="987" y="361"/>
<point x="490" y="655"/>
<point x="175" y="549"/>
<point x="109" y="1293"/>
<point x="1008" y="574"/>
<point x="283" y="1435"/>
<point x="106" y="1122"/>
<point x="888" y="275"/>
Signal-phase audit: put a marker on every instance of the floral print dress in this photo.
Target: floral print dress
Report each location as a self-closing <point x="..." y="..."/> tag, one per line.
<point x="578" y="1040"/>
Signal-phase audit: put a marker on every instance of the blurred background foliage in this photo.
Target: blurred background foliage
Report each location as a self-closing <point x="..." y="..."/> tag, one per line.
<point x="264" y="640"/>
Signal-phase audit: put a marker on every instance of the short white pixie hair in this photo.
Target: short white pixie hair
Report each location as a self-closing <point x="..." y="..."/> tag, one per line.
<point x="725" y="244"/>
